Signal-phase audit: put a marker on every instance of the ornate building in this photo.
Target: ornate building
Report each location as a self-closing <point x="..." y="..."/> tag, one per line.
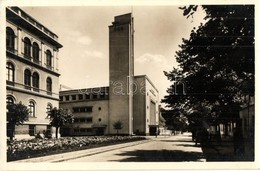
<point x="32" y="75"/>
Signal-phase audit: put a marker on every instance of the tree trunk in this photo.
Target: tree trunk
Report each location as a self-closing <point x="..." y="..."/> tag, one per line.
<point x="12" y="132"/>
<point x="57" y="131"/>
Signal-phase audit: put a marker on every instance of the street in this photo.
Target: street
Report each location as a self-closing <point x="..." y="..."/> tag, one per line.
<point x="175" y="149"/>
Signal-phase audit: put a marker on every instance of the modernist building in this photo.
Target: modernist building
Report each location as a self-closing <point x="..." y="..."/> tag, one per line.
<point x="90" y="108"/>
<point x="32" y="75"/>
<point x="131" y="99"/>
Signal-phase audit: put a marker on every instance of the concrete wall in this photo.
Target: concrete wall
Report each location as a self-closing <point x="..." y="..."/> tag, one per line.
<point x="140" y="106"/>
<point x="120" y="73"/>
<point x="146" y="105"/>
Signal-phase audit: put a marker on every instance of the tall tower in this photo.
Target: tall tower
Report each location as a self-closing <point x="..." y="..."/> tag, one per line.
<point x="121" y="73"/>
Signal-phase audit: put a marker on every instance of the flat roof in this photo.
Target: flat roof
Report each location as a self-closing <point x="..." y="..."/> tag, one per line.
<point x="81" y="90"/>
<point x="148" y="79"/>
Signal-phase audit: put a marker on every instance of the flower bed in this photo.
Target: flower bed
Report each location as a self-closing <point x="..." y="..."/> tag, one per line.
<point x="24" y="149"/>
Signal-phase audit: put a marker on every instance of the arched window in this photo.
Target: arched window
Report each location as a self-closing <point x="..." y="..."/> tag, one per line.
<point x="10" y="38"/>
<point x="9" y="72"/>
<point x="27" y="79"/>
<point x="35" y="83"/>
<point x="48" y="59"/>
<point x="9" y="100"/>
<point x="27" y="48"/>
<point x="49" y="85"/>
<point x="36" y="51"/>
<point x="32" y="109"/>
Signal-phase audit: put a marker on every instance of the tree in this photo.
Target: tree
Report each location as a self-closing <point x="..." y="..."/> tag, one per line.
<point x="118" y="125"/>
<point x="16" y="115"/>
<point x="59" y="118"/>
<point x="216" y="63"/>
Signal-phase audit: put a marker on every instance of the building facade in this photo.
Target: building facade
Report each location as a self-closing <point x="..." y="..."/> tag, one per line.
<point x="90" y="108"/>
<point x="146" y="106"/>
<point x="32" y="75"/>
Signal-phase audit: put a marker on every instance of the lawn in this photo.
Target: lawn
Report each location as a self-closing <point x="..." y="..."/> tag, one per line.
<point x="23" y="149"/>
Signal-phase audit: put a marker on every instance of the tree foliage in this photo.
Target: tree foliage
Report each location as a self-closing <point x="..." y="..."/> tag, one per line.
<point x="216" y="63"/>
<point x="59" y="118"/>
<point x="118" y="125"/>
<point x="16" y="115"/>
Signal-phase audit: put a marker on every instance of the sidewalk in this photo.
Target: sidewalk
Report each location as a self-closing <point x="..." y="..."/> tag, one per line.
<point x="220" y="151"/>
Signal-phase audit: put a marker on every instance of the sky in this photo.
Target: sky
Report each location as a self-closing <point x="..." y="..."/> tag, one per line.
<point x="83" y="32"/>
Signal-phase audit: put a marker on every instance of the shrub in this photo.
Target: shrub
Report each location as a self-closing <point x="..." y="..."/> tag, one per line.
<point x="22" y="149"/>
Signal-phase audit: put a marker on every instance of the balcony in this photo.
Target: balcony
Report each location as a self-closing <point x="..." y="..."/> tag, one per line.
<point x="36" y="89"/>
<point x="12" y="50"/>
<point x="11" y="83"/>
<point x="28" y="88"/>
<point x="49" y="67"/>
<point x="18" y="16"/>
<point x="27" y="56"/>
<point x="34" y="22"/>
<point x="37" y="61"/>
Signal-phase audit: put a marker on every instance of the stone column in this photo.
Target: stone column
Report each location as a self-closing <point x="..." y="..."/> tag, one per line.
<point x="19" y="41"/>
<point x="42" y="54"/>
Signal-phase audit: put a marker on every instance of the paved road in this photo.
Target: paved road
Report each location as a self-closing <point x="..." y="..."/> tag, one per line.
<point x="175" y="148"/>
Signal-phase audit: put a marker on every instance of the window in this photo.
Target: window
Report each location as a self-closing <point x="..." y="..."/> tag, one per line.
<point x="9" y="100"/>
<point x="32" y="108"/>
<point x="99" y="108"/>
<point x="73" y="97"/>
<point x="36" y="51"/>
<point x="49" y="85"/>
<point x="82" y="109"/>
<point x="76" y="130"/>
<point x="80" y="96"/>
<point x="32" y="130"/>
<point x="89" y="120"/>
<point x="67" y="98"/>
<point x="27" y="48"/>
<point x="94" y="96"/>
<point x="82" y="120"/>
<point x="10" y="38"/>
<point x="61" y="98"/>
<point x="35" y="83"/>
<point x="87" y="96"/>
<point x="27" y="79"/>
<point x="102" y="95"/>
<point x="49" y="107"/>
<point x="48" y="59"/>
<point x="9" y="72"/>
